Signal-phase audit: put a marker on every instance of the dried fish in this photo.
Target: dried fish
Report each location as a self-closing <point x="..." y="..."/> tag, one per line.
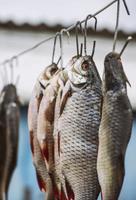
<point x="3" y="144"/>
<point x="10" y="130"/>
<point x="57" y="174"/>
<point x="78" y="130"/>
<point x="46" y="121"/>
<point x="115" y="128"/>
<point x="43" y="176"/>
<point x="12" y="115"/>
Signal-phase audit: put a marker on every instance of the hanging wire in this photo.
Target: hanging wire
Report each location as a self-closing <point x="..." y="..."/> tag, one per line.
<point x="68" y="29"/>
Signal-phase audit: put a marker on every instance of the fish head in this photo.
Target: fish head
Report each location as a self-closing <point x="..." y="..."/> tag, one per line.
<point x="47" y="74"/>
<point x="114" y="75"/>
<point x="9" y="94"/>
<point x="83" y="71"/>
<point x="50" y="70"/>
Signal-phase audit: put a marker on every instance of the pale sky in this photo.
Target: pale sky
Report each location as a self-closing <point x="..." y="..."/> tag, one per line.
<point x="66" y="12"/>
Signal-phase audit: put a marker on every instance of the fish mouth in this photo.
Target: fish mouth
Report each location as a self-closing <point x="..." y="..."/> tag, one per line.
<point x="114" y="74"/>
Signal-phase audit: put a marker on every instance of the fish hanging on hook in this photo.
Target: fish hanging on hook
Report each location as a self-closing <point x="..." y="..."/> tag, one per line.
<point x="43" y="177"/>
<point x="115" y="128"/>
<point x="76" y="129"/>
<point x="9" y="107"/>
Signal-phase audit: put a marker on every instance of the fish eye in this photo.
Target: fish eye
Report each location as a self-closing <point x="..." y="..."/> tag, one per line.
<point x="85" y="65"/>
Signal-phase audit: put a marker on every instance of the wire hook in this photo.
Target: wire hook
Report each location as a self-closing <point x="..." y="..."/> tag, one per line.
<point x="5" y="71"/>
<point x="61" y="43"/>
<point x="54" y="46"/>
<point x="117" y="22"/>
<point x="85" y="34"/>
<point x="125" y="45"/>
<point x="127" y="10"/>
<point x="11" y="64"/>
<point x="77" y="42"/>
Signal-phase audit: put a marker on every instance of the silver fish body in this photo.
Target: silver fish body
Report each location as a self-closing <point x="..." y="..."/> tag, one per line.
<point x="78" y="131"/>
<point x="115" y="128"/>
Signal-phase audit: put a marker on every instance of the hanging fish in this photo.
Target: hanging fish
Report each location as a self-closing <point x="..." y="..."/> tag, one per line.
<point x="3" y="145"/>
<point x="10" y="123"/>
<point x="115" y="128"/>
<point x="12" y="115"/>
<point x="57" y="173"/>
<point x="78" y="126"/>
<point x="45" y="125"/>
<point x="43" y="177"/>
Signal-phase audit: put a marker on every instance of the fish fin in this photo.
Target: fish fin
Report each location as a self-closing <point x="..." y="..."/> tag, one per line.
<point x="124" y="74"/>
<point x="62" y="196"/>
<point x="31" y="142"/>
<point x="101" y="196"/>
<point x="67" y="191"/>
<point x="41" y="183"/>
<point x="58" y="143"/>
<point x="65" y="94"/>
<point x="70" y="192"/>
<point x="44" y="149"/>
<point x="43" y="177"/>
<point x="121" y="171"/>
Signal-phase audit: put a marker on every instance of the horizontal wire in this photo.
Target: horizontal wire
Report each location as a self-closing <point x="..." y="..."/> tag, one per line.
<point x="50" y="38"/>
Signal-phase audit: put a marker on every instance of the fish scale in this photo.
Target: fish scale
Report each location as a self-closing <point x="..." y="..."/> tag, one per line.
<point x="115" y="128"/>
<point x="78" y="127"/>
<point x="113" y="141"/>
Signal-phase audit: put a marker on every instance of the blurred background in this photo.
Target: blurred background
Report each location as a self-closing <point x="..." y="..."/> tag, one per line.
<point x="25" y="23"/>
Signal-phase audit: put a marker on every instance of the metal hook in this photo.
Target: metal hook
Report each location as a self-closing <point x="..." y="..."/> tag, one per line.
<point x="11" y="63"/>
<point x="54" y="46"/>
<point x="58" y="60"/>
<point x="85" y="33"/>
<point x="61" y="44"/>
<point x="77" y="42"/>
<point x="117" y="22"/>
<point x="127" y="10"/>
<point x="5" y="71"/>
<point x="81" y="49"/>
<point x="125" y="45"/>
<point x="116" y="27"/>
